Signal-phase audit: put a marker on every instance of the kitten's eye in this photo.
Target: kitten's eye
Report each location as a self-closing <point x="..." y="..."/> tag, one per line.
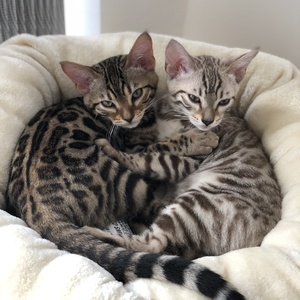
<point x="137" y="94"/>
<point x="107" y="103"/>
<point x="224" y="102"/>
<point x="194" y="98"/>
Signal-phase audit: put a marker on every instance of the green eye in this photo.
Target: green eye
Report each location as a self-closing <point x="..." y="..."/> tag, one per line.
<point x="137" y="94"/>
<point x="107" y="103"/>
<point x="194" y="98"/>
<point x="224" y="102"/>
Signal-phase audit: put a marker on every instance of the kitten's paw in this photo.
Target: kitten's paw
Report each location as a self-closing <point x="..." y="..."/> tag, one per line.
<point x="105" y="146"/>
<point x="102" y="143"/>
<point x="110" y="151"/>
<point x="208" y="138"/>
<point x="201" y="143"/>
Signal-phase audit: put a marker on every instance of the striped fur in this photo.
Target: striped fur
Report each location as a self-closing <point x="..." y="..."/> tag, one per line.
<point x="233" y="200"/>
<point x="61" y="182"/>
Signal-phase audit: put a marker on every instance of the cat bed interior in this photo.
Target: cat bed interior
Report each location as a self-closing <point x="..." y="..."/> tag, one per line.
<point x="269" y="99"/>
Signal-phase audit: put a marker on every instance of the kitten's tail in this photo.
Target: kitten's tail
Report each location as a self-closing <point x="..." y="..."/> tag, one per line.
<point x="126" y="265"/>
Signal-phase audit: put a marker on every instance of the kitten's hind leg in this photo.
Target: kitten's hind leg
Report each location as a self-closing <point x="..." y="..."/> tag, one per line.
<point x="161" y="237"/>
<point x="145" y="242"/>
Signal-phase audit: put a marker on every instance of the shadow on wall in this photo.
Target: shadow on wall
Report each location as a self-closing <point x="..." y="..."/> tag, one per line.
<point x="272" y="25"/>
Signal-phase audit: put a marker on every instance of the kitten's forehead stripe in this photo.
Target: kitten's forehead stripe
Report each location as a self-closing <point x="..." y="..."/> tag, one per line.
<point x="211" y="78"/>
<point x="204" y="81"/>
<point x="114" y="76"/>
<point x="219" y="84"/>
<point x="200" y="91"/>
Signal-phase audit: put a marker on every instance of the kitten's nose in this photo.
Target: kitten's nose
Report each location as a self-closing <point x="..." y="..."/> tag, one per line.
<point x="207" y="122"/>
<point x="128" y="119"/>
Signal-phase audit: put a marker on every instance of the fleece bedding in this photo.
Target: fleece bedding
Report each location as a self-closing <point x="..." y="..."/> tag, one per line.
<point x="269" y="99"/>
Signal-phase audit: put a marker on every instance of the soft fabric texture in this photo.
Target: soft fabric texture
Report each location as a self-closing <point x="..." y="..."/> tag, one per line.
<point x="269" y="99"/>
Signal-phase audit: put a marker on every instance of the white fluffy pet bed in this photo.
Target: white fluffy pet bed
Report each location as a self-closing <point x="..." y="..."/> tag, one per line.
<point x="269" y="99"/>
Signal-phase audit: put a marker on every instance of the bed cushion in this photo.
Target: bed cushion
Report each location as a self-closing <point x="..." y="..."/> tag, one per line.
<point x="269" y="99"/>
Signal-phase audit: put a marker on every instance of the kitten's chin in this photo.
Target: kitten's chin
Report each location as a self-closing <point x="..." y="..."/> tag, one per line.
<point x="203" y="128"/>
<point x="130" y="125"/>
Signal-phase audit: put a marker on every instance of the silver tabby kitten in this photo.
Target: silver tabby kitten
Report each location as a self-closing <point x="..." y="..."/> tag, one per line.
<point x="61" y="181"/>
<point x="233" y="200"/>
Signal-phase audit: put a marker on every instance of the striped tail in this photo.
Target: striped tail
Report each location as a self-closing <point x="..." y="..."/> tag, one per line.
<point x="126" y="265"/>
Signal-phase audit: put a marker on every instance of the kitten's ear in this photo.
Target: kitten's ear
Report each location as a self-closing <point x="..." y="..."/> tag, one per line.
<point x="81" y="75"/>
<point x="141" y="53"/>
<point x="239" y="66"/>
<point x="178" y="60"/>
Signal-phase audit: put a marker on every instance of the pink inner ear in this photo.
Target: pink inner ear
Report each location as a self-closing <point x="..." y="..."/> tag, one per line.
<point x="174" y="69"/>
<point x="146" y="63"/>
<point x="239" y="71"/>
<point x="141" y="53"/>
<point x="81" y="75"/>
<point x="178" y="60"/>
<point x="239" y="66"/>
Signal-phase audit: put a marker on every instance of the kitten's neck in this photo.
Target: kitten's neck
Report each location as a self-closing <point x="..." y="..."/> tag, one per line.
<point x="169" y="120"/>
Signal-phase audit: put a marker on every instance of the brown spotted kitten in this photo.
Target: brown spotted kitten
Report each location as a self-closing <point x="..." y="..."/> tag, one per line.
<point x="61" y="181"/>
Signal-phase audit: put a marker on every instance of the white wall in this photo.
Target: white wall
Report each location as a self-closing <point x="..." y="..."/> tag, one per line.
<point x="82" y="17"/>
<point x="274" y="25"/>
<point x="140" y="15"/>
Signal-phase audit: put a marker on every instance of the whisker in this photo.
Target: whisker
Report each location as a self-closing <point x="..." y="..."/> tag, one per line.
<point x="153" y="101"/>
<point x="111" y="132"/>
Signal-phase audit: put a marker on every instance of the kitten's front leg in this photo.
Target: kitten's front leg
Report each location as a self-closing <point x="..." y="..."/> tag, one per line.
<point x="190" y="143"/>
<point x="109" y="150"/>
<point x="154" y="165"/>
